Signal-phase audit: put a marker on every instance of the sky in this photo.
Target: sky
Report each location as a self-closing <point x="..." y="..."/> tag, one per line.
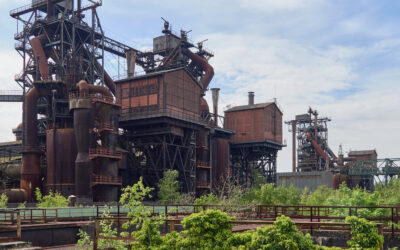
<point x="339" y="57"/>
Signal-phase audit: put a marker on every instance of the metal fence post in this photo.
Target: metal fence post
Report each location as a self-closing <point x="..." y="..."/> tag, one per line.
<point x="96" y="233"/>
<point x="18" y="226"/>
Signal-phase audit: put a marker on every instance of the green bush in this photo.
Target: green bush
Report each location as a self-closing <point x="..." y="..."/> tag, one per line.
<point x="51" y="200"/>
<point x="282" y="235"/>
<point x="169" y="187"/>
<point x="271" y="195"/>
<point x="206" y="199"/>
<point x="3" y="201"/>
<point x="208" y="229"/>
<point x="364" y="234"/>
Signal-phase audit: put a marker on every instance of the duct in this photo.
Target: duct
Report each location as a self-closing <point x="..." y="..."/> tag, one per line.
<point x="31" y="171"/>
<point x="107" y="79"/>
<point x="204" y="106"/>
<point x="85" y="89"/>
<point x="38" y="51"/>
<point x="203" y="64"/>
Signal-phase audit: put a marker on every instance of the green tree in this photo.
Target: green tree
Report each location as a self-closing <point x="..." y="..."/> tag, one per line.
<point x="51" y="200"/>
<point x="364" y="234"/>
<point x="147" y="234"/>
<point x="169" y="187"/>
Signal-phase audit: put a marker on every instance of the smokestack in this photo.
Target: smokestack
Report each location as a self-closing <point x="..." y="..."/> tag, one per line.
<point x="215" y="94"/>
<point x="251" y="98"/>
<point x="130" y="62"/>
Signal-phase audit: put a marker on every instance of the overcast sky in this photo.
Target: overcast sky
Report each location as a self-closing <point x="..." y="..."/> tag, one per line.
<point x="340" y="57"/>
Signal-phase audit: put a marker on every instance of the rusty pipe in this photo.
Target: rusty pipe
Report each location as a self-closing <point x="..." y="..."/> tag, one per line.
<point x="85" y="89"/>
<point x="30" y="170"/>
<point x="203" y="64"/>
<point x="38" y="51"/>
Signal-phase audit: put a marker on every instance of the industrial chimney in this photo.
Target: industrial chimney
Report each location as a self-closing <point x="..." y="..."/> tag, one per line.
<point x="251" y="98"/>
<point x="215" y="94"/>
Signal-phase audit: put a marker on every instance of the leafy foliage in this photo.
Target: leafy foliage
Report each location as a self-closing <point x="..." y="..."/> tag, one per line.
<point x="364" y="234"/>
<point x="3" y="201"/>
<point x="169" y="187"/>
<point x="271" y="195"/>
<point x="147" y="234"/>
<point x="51" y="200"/>
<point x="317" y="197"/>
<point x="206" y="199"/>
<point x="208" y="229"/>
<point x="283" y="235"/>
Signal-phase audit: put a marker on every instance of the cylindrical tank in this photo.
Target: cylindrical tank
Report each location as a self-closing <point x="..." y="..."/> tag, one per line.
<point x="83" y="120"/>
<point x="61" y="155"/>
<point x="30" y="173"/>
<point x="16" y="195"/>
<point x="12" y="170"/>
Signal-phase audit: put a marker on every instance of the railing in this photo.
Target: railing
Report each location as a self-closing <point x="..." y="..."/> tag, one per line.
<point x="11" y="92"/>
<point x="104" y="179"/>
<point x="14" y="219"/>
<point x="26" y="7"/>
<point x="104" y="152"/>
<point x="94" y="97"/>
<point x="203" y="164"/>
<point x="29" y="215"/>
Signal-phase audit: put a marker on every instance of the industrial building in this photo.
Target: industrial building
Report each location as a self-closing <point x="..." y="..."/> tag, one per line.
<point x="315" y="164"/>
<point x="87" y="134"/>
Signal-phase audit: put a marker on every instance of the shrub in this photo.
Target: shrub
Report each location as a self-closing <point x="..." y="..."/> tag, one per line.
<point x="3" y="201"/>
<point x="364" y="234"/>
<point x="208" y="229"/>
<point x="206" y="199"/>
<point x="51" y="200"/>
<point x="169" y="187"/>
<point x="282" y="235"/>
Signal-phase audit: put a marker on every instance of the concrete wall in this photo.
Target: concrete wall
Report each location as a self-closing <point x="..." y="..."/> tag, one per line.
<point x="301" y="180"/>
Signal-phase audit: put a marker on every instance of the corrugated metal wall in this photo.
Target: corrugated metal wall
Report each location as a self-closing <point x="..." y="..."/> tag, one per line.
<point x="255" y="124"/>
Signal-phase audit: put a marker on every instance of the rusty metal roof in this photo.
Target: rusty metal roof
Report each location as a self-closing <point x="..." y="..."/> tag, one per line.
<point x="254" y="106"/>
<point x="161" y="72"/>
<point x="362" y="152"/>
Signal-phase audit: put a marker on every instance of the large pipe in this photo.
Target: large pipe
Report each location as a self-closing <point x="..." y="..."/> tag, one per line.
<point x="38" y="51"/>
<point x="203" y="64"/>
<point x="30" y="171"/>
<point x="85" y="89"/>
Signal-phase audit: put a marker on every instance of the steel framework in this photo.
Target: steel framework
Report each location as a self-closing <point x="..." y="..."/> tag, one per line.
<point x="156" y="153"/>
<point x="246" y="158"/>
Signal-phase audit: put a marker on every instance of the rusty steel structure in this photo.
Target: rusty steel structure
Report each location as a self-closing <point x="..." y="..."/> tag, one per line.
<point x="257" y="140"/>
<point x="64" y="83"/>
<point x="310" y="133"/>
<point x="84" y="134"/>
